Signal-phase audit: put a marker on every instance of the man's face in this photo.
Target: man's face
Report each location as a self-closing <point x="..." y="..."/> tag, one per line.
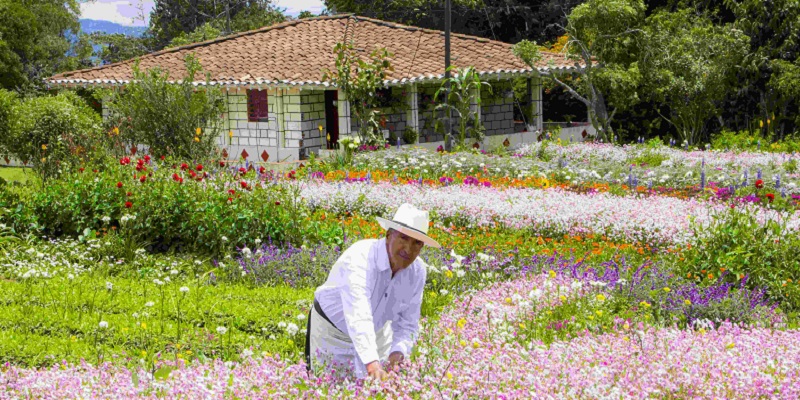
<point x="403" y="249"/>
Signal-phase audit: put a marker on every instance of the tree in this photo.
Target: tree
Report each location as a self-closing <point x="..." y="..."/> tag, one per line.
<point x="688" y="66"/>
<point x="359" y="79"/>
<point x="118" y="47"/>
<point x="604" y="36"/>
<point x="172" y="18"/>
<point x="34" y="41"/>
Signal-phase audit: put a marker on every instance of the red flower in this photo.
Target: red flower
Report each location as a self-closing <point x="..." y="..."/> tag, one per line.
<point x="128" y="204"/>
<point x="129" y="194"/>
<point x="242" y="170"/>
<point x="262" y="170"/>
<point x="119" y="185"/>
<point x="124" y="161"/>
<point x="140" y="167"/>
<point x="759" y="184"/>
<point x="184" y="166"/>
<point x="180" y="180"/>
<point x="80" y="169"/>
<point x="142" y="178"/>
<point x="199" y="167"/>
<point x="277" y="203"/>
<point x="771" y="197"/>
<point x="230" y="199"/>
<point x="244" y="184"/>
<point x="221" y="163"/>
<point x="162" y="158"/>
<point x="232" y="191"/>
<point x="147" y="158"/>
<point x="192" y="173"/>
<point x="94" y="170"/>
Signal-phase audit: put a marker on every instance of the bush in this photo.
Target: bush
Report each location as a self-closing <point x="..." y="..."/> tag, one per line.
<point x="169" y="118"/>
<point x="50" y="132"/>
<point x="737" y="248"/>
<point x="410" y="135"/>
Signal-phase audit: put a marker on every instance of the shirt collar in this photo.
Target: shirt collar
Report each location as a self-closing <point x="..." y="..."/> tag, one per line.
<point x="383" y="256"/>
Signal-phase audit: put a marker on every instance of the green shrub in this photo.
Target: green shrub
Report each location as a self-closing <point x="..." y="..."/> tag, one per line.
<point x="8" y="100"/>
<point x="410" y="135"/>
<point x="738" y="246"/>
<point x="50" y="132"/>
<point x="169" y="118"/>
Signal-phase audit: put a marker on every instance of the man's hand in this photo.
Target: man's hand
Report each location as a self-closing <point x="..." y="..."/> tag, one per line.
<point x="395" y="359"/>
<point x="375" y="371"/>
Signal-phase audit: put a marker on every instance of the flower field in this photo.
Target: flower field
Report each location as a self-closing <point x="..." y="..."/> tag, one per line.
<point x="576" y="271"/>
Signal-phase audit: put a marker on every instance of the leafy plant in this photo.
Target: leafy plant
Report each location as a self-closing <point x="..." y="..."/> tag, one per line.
<point x="359" y="79"/>
<point x="410" y="135"/>
<point x="464" y="92"/>
<point x="170" y="118"/>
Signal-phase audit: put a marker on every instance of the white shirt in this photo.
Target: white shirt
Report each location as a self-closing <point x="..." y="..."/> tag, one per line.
<point x="360" y="296"/>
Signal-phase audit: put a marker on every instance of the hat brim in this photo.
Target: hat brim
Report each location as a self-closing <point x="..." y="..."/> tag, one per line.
<point x="388" y="224"/>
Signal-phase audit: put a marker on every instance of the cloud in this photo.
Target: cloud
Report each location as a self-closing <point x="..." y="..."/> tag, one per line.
<point x="293" y="7"/>
<point x="123" y="12"/>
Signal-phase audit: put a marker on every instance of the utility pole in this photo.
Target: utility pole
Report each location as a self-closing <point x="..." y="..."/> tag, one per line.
<point x="448" y="134"/>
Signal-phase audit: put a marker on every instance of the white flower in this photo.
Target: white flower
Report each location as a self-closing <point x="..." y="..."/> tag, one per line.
<point x="247" y="253"/>
<point x="271" y="337"/>
<point x="103" y="325"/>
<point x="258" y="241"/>
<point x="109" y="285"/>
<point x="106" y="219"/>
<point x="489" y="307"/>
<point x="247" y="353"/>
<point x="281" y="324"/>
<point x="291" y="329"/>
<point x="224" y="238"/>
<point x="443" y="292"/>
<point x="535" y="294"/>
<point x="174" y="272"/>
<point x="301" y="317"/>
<point x="135" y="315"/>
<point x="158" y="282"/>
<point x="184" y="289"/>
<point x="70" y="277"/>
<point x="222" y="330"/>
<point x="149" y="304"/>
<point x="460" y="273"/>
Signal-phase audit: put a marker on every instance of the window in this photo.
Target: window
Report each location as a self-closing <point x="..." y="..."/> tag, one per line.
<point x="257" y="107"/>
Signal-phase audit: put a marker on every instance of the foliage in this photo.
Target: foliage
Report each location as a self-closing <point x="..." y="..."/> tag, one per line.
<point x="171" y="19"/>
<point x="169" y="118"/>
<point x="112" y="48"/>
<point x="410" y="135"/>
<point x="51" y="132"/>
<point x="359" y="79"/>
<point x="463" y="90"/>
<point x="737" y="247"/>
<point x="689" y="67"/>
<point x="34" y="41"/>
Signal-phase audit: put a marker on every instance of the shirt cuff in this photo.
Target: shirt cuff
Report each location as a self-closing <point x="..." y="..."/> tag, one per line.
<point x="401" y="347"/>
<point x="368" y="355"/>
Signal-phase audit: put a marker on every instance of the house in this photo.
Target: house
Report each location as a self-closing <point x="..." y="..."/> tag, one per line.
<point x="279" y="108"/>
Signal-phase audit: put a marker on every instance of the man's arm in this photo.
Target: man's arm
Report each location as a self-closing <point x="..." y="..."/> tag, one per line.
<point x="357" y="308"/>
<point x="406" y="325"/>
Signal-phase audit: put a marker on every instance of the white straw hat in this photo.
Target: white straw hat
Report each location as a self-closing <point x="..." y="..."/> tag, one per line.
<point x="410" y="221"/>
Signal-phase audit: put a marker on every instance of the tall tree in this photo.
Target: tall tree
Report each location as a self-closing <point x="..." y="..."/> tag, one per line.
<point x="173" y="18"/>
<point x="35" y="40"/>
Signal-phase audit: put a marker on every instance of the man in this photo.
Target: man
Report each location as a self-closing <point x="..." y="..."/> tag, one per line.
<point x="368" y="310"/>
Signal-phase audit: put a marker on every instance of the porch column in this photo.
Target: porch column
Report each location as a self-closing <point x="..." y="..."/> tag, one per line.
<point x="535" y="83"/>
<point x="412" y="115"/>
<point x="343" y="106"/>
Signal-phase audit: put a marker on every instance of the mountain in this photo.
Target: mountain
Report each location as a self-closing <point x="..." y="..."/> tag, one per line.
<point x="93" y="25"/>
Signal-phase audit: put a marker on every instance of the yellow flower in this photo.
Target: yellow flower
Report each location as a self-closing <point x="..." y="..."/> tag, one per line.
<point x="626" y="326"/>
<point x="601" y="297"/>
<point x="188" y="352"/>
<point x="522" y="325"/>
<point x="476" y="344"/>
<point x="44" y="147"/>
<point x="448" y="273"/>
<point x="449" y="331"/>
<point x="625" y="338"/>
<point x="290" y="342"/>
<point x="463" y="343"/>
<point x="767" y="121"/>
<point x="73" y="338"/>
<point x="144" y="325"/>
<point x="645" y="304"/>
<point x="115" y="131"/>
<point x="562" y="297"/>
<point x="230" y="134"/>
<point x="197" y="131"/>
<point x="319" y="127"/>
<point x="702" y="331"/>
<point x="462" y="323"/>
<point x="760" y="124"/>
<point x="687" y="302"/>
<point x="449" y="375"/>
<point x="552" y="273"/>
<point x="196" y="139"/>
<point x="666" y="289"/>
<point x="599" y="313"/>
<point x="730" y="345"/>
<point x="144" y="353"/>
<point x="44" y="159"/>
<point x="508" y="300"/>
<point x="591" y="318"/>
<point x="180" y="355"/>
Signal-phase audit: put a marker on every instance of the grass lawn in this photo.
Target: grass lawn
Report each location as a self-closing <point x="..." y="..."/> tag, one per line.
<point x="15" y="174"/>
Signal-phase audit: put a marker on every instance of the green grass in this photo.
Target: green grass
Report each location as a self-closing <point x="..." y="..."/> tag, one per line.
<point x="16" y="174"/>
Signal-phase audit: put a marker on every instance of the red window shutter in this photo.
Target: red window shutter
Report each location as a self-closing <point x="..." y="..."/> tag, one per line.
<point x="257" y="107"/>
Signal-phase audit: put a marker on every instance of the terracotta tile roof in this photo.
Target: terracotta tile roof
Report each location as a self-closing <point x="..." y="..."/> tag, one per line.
<point x="296" y="52"/>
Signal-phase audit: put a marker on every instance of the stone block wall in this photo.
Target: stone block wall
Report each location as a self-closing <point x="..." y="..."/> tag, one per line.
<point x="312" y="109"/>
<point x="497" y="108"/>
<point x="394" y="114"/>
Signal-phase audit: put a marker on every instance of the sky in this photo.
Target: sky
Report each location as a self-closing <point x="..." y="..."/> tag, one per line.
<point x="129" y="12"/>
